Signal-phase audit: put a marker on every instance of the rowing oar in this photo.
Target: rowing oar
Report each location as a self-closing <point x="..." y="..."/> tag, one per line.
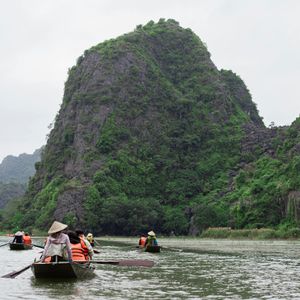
<point x="4" y="244"/>
<point x="16" y="273"/>
<point x="126" y="262"/>
<point x="171" y="249"/>
<point x="38" y="246"/>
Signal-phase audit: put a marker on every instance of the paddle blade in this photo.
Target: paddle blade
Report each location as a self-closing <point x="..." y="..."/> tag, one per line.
<point x="38" y="246"/>
<point x="126" y="262"/>
<point x="137" y="263"/>
<point x="16" y="273"/>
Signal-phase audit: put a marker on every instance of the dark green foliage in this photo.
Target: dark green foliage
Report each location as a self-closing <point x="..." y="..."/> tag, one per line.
<point x="111" y="134"/>
<point x="175" y="220"/>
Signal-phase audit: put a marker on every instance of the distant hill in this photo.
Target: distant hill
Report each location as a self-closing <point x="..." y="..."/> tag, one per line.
<point x="10" y="191"/>
<point x="18" y="169"/>
<point x="15" y="172"/>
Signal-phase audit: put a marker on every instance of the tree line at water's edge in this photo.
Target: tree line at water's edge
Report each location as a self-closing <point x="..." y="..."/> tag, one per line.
<point x="151" y="135"/>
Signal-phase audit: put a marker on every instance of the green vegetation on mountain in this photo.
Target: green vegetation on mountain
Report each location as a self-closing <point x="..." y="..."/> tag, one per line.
<point x="151" y="134"/>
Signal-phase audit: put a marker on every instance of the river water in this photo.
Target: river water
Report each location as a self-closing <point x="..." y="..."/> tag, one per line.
<point x="185" y="269"/>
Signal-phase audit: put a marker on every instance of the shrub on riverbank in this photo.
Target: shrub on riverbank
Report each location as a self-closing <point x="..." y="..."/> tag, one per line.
<point x="262" y="233"/>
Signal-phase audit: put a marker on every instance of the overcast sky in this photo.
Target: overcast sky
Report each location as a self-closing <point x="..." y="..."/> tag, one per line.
<point x="40" y="39"/>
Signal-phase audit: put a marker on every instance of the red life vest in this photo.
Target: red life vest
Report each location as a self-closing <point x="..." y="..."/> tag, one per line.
<point x="80" y="251"/>
<point x="26" y="239"/>
<point x="85" y="248"/>
<point x="142" y="241"/>
<point x="47" y="259"/>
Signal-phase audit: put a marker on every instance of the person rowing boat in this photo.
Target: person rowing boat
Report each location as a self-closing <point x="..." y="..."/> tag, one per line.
<point x="151" y="244"/>
<point x="18" y="237"/>
<point x="151" y="239"/>
<point x="58" y="246"/>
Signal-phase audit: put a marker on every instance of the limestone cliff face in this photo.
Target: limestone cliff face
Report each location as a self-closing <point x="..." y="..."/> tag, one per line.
<point x="144" y="116"/>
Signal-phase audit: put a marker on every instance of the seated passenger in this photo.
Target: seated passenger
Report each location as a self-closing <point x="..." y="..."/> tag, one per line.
<point x="80" y="234"/>
<point x="142" y="241"/>
<point x="57" y="245"/>
<point x="27" y="239"/>
<point x="79" y="249"/>
<point x="90" y="238"/>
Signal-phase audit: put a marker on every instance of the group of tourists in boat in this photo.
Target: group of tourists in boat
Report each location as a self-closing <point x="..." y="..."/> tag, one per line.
<point x="149" y="242"/>
<point x="62" y="245"/>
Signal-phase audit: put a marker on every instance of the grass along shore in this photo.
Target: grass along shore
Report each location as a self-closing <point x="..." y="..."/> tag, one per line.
<point x="259" y="234"/>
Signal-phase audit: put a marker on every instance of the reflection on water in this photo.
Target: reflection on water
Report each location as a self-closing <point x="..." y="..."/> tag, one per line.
<point x="195" y="269"/>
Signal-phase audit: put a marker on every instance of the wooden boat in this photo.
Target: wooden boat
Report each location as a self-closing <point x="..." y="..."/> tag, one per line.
<point x="152" y="249"/>
<point x="20" y="246"/>
<point x="62" y="269"/>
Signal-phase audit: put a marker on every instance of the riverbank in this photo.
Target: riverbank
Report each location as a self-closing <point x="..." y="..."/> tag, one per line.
<point x="214" y="233"/>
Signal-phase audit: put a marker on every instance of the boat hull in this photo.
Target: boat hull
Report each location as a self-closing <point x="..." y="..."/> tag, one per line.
<point x="19" y="246"/>
<point x="62" y="270"/>
<point x="152" y="249"/>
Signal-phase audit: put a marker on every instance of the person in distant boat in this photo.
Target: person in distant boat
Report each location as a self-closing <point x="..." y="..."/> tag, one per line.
<point x="27" y="239"/>
<point x="151" y="239"/>
<point x="18" y="237"/>
<point x="142" y="241"/>
<point x="81" y="235"/>
<point x="80" y="252"/>
<point x="58" y="246"/>
<point x="90" y="238"/>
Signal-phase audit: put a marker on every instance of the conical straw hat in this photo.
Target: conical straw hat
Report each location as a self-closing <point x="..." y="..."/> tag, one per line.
<point x="57" y="227"/>
<point x="151" y="233"/>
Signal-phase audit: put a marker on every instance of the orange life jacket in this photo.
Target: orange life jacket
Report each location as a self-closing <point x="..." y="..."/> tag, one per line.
<point x="80" y="251"/>
<point x="26" y="239"/>
<point x="85" y="248"/>
<point x="47" y="259"/>
<point x="142" y="241"/>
